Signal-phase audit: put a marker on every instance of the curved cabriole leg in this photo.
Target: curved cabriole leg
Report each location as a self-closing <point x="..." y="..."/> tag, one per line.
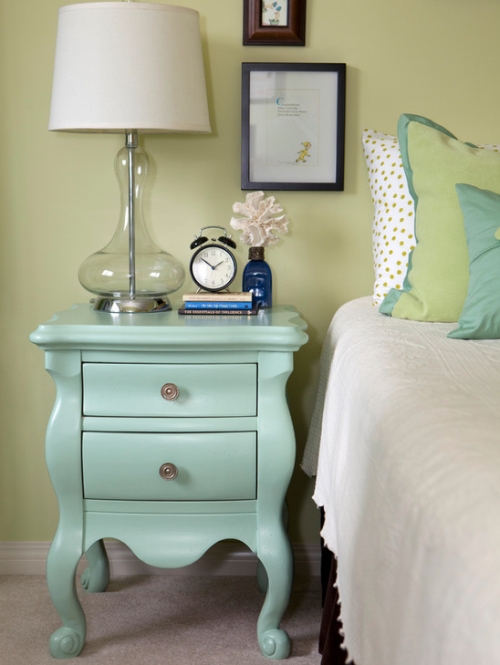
<point x="276" y="463"/>
<point x="95" y="578"/>
<point x="63" y="454"/>
<point x="277" y="561"/>
<point x="68" y="641"/>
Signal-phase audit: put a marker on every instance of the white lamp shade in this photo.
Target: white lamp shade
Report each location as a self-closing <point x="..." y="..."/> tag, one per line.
<point x="128" y="66"/>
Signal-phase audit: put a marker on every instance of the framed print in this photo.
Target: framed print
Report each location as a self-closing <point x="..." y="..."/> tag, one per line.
<point x="274" y="22"/>
<point x="293" y="126"/>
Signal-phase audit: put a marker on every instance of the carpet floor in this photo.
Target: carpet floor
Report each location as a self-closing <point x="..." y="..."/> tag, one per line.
<point x="150" y="620"/>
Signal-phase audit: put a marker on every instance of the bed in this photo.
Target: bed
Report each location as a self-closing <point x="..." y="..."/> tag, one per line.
<point x="405" y="446"/>
<point x="407" y="423"/>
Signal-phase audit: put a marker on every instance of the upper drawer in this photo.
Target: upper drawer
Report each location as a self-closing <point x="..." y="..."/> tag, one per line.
<point x="135" y="390"/>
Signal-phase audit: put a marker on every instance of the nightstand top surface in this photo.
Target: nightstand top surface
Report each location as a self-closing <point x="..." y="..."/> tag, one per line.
<point x="279" y="328"/>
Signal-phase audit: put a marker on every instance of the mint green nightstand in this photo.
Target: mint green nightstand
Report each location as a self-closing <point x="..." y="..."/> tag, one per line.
<point x="170" y="434"/>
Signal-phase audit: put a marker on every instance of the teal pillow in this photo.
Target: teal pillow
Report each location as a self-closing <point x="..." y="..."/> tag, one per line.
<point x="480" y="317"/>
<point x="436" y="282"/>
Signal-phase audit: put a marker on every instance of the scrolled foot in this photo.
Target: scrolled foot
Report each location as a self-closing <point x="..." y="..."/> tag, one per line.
<point x="65" y="643"/>
<point x="275" y="644"/>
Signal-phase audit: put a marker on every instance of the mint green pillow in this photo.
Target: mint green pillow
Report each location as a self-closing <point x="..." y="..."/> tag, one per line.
<point x="436" y="282"/>
<point x="480" y="317"/>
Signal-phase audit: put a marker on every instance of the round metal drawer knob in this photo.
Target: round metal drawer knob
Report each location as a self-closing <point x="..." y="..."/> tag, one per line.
<point x="170" y="392"/>
<point x="168" y="471"/>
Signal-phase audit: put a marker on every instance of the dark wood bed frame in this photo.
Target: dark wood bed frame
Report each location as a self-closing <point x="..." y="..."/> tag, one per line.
<point x="330" y="636"/>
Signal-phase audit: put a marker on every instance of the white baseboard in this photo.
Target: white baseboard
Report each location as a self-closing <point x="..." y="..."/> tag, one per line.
<point x="222" y="559"/>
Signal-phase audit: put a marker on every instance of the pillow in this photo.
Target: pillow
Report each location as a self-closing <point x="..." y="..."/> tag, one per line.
<point x="435" y="286"/>
<point x="393" y="212"/>
<point x="480" y="317"/>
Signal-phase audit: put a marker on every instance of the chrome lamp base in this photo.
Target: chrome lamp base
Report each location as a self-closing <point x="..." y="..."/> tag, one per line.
<point x="131" y="305"/>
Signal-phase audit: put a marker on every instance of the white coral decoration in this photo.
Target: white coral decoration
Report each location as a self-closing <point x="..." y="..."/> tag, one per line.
<point x="259" y="221"/>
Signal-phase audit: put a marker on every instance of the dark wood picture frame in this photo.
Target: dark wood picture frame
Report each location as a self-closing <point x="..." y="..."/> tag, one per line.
<point x="291" y="34"/>
<point x="285" y="105"/>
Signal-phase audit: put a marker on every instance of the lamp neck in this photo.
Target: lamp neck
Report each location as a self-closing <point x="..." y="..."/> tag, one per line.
<point x="131" y="138"/>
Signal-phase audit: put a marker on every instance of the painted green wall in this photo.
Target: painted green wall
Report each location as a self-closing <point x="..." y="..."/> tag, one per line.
<point x="59" y="198"/>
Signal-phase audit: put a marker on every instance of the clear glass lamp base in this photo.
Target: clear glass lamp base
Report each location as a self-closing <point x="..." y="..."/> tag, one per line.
<point x="131" y="274"/>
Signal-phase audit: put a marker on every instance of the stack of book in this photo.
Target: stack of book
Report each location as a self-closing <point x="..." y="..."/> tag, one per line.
<point x="226" y="303"/>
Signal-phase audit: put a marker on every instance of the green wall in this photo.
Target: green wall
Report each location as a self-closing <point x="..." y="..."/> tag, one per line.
<point x="59" y="198"/>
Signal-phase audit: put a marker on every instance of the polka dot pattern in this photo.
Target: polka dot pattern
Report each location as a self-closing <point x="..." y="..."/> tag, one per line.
<point x="393" y="225"/>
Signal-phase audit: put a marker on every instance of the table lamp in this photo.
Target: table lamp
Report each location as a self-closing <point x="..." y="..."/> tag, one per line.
<point x="129" y="67"/>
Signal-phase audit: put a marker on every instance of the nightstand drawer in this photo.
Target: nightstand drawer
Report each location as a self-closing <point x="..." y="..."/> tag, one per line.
<point x="170" y="467"/>
<point x="179" y="391"/>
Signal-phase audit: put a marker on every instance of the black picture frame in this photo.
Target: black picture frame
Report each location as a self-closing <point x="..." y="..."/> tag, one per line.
<point x="289" y="27"/>
<point x="293" y="126"/>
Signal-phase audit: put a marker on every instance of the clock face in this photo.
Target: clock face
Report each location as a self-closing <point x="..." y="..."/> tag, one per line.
<point x="213" y="267"/>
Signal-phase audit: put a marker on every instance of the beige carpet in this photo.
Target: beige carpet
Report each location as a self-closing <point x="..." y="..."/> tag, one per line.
<point x="167" y="620"/>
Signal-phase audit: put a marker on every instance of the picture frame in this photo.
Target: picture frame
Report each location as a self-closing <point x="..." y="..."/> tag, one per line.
<point x="293" y="126"/>
<point x="274" y="23"/>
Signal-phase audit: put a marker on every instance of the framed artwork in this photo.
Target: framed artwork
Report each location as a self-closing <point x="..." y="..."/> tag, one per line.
<point x="293" y="126"/>
<point x="274" y="22"/>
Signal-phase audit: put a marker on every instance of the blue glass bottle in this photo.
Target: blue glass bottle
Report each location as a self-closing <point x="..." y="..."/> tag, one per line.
<point x="258" y="279"/>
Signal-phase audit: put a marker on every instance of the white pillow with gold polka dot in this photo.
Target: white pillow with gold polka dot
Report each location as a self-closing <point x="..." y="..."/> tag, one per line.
<point x="393" y="223"/>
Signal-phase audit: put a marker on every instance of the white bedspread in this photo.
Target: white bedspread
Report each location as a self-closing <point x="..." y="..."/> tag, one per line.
<point x="408" y="428"/>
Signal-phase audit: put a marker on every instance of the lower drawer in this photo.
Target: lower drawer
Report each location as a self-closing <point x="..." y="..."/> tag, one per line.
<point x="210" y="466"/>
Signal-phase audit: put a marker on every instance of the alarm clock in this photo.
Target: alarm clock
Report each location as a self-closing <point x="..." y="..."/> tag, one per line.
<point x="213" y="266"/>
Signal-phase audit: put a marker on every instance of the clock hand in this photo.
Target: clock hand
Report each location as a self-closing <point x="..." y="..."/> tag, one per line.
<point x="217" y="265"/>
<point x="208" y="264"/>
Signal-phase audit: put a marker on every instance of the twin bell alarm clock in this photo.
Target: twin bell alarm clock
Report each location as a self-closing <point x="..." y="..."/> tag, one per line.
<point x="213" y="265"/>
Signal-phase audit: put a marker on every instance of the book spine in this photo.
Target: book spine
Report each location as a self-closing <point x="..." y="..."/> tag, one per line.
<point x="217" y="297"/>
<point x="217" y="305"/>
<point x="219" y="312"/>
